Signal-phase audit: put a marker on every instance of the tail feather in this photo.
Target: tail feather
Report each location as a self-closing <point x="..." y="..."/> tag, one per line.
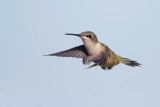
<point x="130" y="62"/>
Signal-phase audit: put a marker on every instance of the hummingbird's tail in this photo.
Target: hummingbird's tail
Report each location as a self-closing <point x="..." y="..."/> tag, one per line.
<point x="130" y="62"/>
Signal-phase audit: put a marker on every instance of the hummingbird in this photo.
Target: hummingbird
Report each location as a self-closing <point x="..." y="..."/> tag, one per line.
<point x="94" y="51"/>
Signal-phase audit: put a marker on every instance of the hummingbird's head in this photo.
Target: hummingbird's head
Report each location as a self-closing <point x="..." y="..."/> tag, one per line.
<point x="86" y="37"/>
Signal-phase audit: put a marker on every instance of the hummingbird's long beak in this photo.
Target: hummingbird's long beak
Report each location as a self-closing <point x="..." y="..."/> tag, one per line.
<point x="73" y="34"/>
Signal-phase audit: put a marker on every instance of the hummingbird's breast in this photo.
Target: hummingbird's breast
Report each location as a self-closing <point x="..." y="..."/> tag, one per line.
<point x="94" y="48"/>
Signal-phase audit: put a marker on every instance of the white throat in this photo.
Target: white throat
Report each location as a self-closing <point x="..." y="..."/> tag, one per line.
<point x="92" y="47"/>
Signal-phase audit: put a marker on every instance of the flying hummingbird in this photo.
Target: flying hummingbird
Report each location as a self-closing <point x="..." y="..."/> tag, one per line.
<point x="94" y="51"/>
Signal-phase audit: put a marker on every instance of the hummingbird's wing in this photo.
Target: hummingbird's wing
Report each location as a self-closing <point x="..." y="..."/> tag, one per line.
<point x="77" y="52"/>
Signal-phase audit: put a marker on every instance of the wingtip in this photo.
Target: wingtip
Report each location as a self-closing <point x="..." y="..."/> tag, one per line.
<point x="46" y="55"/>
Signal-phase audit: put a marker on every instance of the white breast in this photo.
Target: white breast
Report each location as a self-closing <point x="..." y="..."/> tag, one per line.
<point x="94" y="48"/>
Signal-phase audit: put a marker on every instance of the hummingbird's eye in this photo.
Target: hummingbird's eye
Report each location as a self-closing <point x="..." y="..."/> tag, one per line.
<point x="88" y="36"/>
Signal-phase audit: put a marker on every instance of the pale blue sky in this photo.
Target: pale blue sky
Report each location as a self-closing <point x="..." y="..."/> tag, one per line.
<point x="32" y="28"/>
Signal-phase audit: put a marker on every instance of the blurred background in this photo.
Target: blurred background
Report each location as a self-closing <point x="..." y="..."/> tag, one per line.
<point x="32" y="28"/>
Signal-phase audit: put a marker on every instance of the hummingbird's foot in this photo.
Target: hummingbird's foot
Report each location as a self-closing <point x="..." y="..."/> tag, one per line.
<point x="106" y="68"/>
<point x="103" y="68"/>
<point x="109" y="68"/>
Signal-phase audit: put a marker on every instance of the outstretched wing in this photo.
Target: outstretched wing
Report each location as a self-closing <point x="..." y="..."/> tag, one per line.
<point x="77" y="52"/>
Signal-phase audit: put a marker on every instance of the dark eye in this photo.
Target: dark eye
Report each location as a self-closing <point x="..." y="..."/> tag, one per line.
<point x="88" y="36"/>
